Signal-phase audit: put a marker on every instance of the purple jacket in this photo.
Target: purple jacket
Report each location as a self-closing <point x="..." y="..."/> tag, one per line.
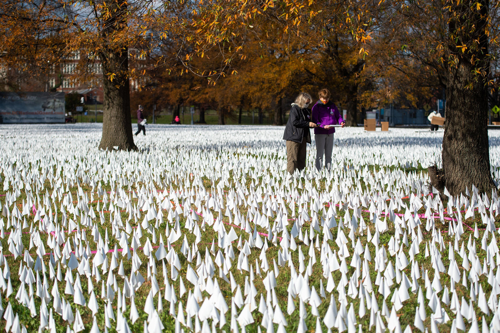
<point x="140" y="116"/>
<point x="325" y="114"/>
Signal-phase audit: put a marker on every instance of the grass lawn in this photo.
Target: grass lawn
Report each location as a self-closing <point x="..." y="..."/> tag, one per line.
<point x="211" y="118"/>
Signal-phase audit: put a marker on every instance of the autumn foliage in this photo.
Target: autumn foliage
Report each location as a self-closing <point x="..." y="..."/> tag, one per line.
<point x="223" y="55"/>
<point x="239" y="54"/>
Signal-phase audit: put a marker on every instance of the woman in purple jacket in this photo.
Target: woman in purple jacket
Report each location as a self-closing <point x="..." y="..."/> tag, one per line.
<point x="325" y="114"/>
<point x="140" y="118"/>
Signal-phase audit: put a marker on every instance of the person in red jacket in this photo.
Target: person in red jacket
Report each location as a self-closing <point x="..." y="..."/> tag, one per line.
<point x="326" y="114"/>
<point x="140" y="119"/>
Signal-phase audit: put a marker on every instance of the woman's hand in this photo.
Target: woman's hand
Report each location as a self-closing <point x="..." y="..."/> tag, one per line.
<point x="313" y="125"/>
<point x="343" y="124"/>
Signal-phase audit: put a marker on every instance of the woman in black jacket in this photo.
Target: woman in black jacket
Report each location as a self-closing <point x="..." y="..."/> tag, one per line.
<point x="297" y="133"/>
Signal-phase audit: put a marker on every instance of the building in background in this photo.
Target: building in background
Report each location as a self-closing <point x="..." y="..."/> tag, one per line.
<point x="79" y="73"/>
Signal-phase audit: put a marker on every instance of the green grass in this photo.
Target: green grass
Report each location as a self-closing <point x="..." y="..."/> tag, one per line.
<point x="211" y="118"/>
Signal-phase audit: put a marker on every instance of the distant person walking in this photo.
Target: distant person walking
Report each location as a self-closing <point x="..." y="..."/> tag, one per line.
<point x="140" y="121"/>
<point x="297" y="134"/>
<point x="326" y="114"/>
<point x="432" y="115"/>
<point x="177" y="120"/>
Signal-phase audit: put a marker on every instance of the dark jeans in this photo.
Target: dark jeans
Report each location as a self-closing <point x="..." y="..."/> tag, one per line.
<point x="140" y="128"/>
<point x="434" y="127"/>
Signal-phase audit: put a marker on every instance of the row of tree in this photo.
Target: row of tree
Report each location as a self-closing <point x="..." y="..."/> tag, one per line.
<point x="238" y="54"/>
<point x="268" y="63"/>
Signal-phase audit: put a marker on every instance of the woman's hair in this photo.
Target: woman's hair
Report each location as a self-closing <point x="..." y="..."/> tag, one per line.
<point x="324" y="93"/>
<point x="302" y="99"/>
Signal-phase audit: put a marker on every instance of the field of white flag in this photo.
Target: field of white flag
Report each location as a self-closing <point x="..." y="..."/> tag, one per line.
<point x="203" y="230"/>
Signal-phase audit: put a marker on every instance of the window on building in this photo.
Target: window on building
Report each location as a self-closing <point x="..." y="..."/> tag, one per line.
<point x="69" y="68"/>
<point x="74" y="55"/>
<point x="95" y="68"/>
<point x="69" y="83"/>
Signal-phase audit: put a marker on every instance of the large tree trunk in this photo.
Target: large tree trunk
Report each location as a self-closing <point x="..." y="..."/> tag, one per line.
<point x="202" y="116"/>
<point x="240" y="111"/>
<point x="352" y="106"/>
<point x="278" y="113"/>
<point x="261" y="116"/>
<point x="221" y="116"/>
<point x="117" y="124"/>
<point x="466" y="159"/>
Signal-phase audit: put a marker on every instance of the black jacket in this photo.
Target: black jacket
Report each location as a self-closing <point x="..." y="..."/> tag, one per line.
<point x="297" y="127"/>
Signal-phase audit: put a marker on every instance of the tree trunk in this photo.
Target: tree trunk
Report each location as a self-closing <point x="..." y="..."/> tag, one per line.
<point x="221" y="116"/>
<point x="202" y="116"/>
<point x="352" y="106"/>
<point x="239" y="115"/>
<point x="261" y="116"/>
<point x="117" y="123"/>
<point x="278" y="113"/>
<point x="466" y="159"/>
